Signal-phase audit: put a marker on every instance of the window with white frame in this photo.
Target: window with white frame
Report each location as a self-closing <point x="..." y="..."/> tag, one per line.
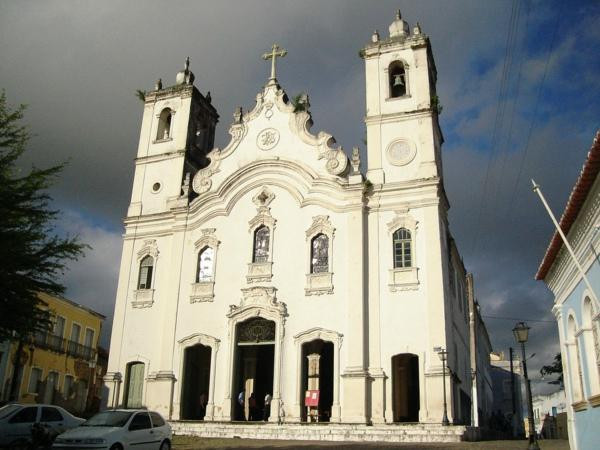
<point x="319" y="254"/>
<point x="68" y="386"/>
<point x="205" y="268"/>
<point x="34" y="380"/>
<point x="402" y="248"/>
<point x="261" y="244"/>
<point x="146" y="269"/>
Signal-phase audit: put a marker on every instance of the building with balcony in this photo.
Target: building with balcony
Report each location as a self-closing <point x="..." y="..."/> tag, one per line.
<point x="57" y="366"/>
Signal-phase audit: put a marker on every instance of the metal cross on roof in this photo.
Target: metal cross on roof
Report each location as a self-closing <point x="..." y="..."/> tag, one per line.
<point x="275" y="52"/>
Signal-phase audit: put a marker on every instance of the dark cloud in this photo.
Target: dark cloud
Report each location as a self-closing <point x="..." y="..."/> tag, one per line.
<point x="77" y="64"/>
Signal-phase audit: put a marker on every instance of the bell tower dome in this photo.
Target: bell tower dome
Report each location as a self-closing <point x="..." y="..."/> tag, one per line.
<point x="403" y="134"/>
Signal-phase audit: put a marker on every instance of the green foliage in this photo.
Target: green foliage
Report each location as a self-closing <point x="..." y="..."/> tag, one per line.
<point x="32" y="257"/>
<point x="436" y="105"/>
<point x="298" y="102"/>
<point x="367" y="187"/>
<point x="555" y="368"/>
<point x="140" y="94"/>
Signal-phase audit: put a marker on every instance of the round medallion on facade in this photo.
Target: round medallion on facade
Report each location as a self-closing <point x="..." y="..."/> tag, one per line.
<point x="401" y="152"/>
<point x="267" y="138"/>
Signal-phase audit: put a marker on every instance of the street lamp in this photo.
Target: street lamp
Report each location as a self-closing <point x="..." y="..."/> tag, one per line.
<point x="443" y="354"/>
<point x="521" y="332"/>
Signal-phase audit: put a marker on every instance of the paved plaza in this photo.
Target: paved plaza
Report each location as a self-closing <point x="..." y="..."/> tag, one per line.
<point x="193" y="443"/>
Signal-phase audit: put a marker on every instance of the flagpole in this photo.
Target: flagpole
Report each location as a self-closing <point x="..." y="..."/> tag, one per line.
<point x="538" y="191"/>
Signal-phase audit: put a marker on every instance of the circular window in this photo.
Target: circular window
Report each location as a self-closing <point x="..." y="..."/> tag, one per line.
<point x="401" y="152"/>
<point x="156" y="187"/>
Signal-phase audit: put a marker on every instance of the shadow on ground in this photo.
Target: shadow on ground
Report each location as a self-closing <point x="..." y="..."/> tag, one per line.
<point x="196" y="443"/>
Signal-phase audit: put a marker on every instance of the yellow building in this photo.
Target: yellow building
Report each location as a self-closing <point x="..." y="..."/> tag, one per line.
<point x="58" y="366"/>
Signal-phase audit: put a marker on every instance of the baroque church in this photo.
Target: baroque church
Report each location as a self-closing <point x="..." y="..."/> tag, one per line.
<point x="280" y="266"/>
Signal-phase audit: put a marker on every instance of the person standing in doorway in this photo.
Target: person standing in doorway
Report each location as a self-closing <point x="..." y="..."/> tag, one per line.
<point x="252" y="407"/>
<point x="267" y="409"/>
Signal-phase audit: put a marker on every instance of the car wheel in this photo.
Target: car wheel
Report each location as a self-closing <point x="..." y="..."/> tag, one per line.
<point x="166" y="445"/>
<point x="117" y="447"/>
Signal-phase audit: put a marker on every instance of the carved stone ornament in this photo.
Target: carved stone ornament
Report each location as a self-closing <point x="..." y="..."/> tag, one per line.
<point x="258" y="297"/>
<point x="263" y="198"/>
<point x="401" y="152"/>
<point x="256" y="330"/>
<point x="149" y="248"/>
<point x="207" y="238"/>
<point x="263" y="217"/>
<point x="203" y="291"/>
<point x="402" y="220"/>
<point x="321" y="224"/>
<point x="267" y="139"/>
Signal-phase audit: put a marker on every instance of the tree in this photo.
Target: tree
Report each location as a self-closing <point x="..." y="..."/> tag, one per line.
<point x="32" y="255"/>
<point x="555" y="368"/>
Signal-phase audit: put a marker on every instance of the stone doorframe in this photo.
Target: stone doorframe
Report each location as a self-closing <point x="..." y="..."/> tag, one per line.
<point x="207" y="341"/>
<point x="261" y="302"/>
<point x="328" y="336"/>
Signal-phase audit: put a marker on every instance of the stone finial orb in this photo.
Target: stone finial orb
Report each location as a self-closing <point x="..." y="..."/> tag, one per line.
<point x="399" y="27"/>
<point x="185" y="76"/>
<point x="417" y="29"/>
<point x="375" y="36"/>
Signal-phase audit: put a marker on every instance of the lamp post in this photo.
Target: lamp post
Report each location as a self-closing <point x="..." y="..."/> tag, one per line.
<point x="521" y="332"/>
<point x="443" y="354"/>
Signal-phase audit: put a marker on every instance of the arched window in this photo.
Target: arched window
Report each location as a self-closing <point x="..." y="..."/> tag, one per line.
<point x="397" y="79"/>
<point x="145" y="278"/>
<point x="575" y="373"/>
<point x="261" y="244"/>
<point x="591" y="340"/>
<point x="319" y="254"/>
<point x="164" y="124"/>
<point x="402" y="248"/>
<point x="205" y="270"/>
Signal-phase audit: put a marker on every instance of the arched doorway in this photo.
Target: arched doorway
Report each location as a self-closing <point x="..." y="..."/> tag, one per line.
<point x="405" y="387"/>
<point x="196" y="382"/>
<point x="253" y="367"/>
<point x="134" y="384"/>
<point x="317" y="374"/>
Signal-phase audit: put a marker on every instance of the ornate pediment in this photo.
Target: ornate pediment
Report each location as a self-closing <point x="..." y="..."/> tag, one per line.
<point x="150" y="248"/>
<point x="259" y="298"/>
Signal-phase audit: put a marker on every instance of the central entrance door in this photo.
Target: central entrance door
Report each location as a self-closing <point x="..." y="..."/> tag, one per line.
<point x="253" y="369"/>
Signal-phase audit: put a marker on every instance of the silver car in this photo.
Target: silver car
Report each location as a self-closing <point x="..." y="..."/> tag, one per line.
<point x="17" y="420"/>
<point x="119" y="429"/>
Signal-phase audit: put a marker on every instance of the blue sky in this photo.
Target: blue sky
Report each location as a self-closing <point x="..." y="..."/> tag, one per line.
<point x="77" y="65"/>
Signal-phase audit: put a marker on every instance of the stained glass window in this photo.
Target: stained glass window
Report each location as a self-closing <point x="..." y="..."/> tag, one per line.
<point x="319" y="254"/>
<point x="402" y="248"/>
<point x="146" y="266"/>
<point x="205" y="264"/>
<point x="261" y="244"/>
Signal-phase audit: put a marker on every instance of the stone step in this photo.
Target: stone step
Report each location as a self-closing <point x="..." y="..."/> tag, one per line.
<point x="329" y="432"/>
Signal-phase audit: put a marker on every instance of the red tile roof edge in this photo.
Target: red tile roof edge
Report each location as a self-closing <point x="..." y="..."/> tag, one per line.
<point x="579" y="194"/>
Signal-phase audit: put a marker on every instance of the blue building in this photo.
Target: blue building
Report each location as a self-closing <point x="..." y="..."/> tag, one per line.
<point x="576" y="306"/>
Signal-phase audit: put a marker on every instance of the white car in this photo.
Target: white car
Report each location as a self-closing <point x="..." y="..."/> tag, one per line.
<point x="119" y="429"/>
<point x="16" y="420"/>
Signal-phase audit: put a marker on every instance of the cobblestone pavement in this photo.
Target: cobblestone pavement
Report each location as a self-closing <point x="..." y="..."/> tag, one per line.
<point x="193" y="443"/>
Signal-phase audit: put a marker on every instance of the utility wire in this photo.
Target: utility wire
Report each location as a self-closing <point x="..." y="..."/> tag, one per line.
<point x="520" y="319"/>
<point x="499" y="117"/>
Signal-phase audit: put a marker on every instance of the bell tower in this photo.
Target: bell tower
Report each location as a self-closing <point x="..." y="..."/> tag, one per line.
<point x="403" y="134"/>
<point x="178" y="131"/>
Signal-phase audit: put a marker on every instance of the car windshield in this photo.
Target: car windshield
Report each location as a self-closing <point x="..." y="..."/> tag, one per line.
<point x="108" y="419"/>
<point x="7" y="410"/>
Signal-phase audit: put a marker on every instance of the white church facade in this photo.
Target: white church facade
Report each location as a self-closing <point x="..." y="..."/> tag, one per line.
<point x="279" y="265"/>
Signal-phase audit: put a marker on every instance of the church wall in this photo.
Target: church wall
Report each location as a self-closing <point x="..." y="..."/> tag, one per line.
<point x="290" y="264"/>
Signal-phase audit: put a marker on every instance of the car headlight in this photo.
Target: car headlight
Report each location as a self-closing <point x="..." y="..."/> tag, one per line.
<point x="93" y="441"/>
